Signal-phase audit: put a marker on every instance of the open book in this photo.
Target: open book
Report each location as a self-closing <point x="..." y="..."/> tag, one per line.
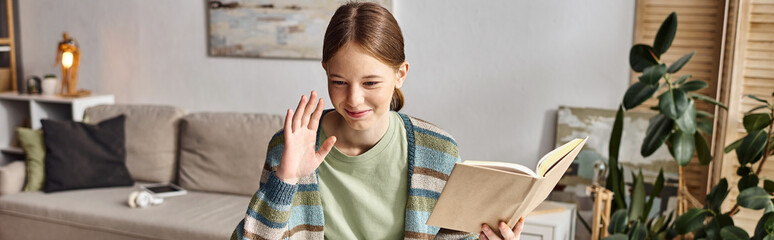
<point x="489" y="192"/>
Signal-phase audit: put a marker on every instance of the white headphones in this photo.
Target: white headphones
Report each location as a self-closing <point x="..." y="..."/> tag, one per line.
<point x="143" y="199"/>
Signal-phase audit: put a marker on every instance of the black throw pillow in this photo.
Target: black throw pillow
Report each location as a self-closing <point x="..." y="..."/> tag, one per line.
<point x="80" y="155"/>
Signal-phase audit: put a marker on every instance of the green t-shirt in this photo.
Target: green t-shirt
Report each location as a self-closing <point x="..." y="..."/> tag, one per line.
<point x="364" y="197"/>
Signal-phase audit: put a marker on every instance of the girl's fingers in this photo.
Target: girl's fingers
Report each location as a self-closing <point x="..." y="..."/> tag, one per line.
<point x="308" y="109"/>
<point x="299" y="113"/>
<point x="481" y="236"/>
<point x="489" y="233"/>
<point x="326" y="147"/>
<point x="315" y="121"/>
<point x="288" y="123"/>
<point x="519" y="227"/>
<point x="506" y="231"/>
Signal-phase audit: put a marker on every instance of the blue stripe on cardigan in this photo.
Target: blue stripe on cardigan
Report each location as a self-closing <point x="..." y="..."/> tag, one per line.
<point x="436" y="160"/>
<point x="423" y="193"/>
<point x="308" y="212"/>
<point x="415" y="222"/>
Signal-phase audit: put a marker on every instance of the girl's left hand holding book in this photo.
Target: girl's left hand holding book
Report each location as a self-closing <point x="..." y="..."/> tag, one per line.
<point x="507" y="232"/>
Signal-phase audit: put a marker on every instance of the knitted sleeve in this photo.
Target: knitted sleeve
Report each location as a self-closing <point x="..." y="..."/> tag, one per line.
<point x="269" y="210"/>
<point x="434" y="154"/>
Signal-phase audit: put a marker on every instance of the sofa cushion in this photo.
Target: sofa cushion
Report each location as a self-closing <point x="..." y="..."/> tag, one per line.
<point x="225" y="152"/>
<point x="151" y="138"/>
<point x="35" y="151"/>
<point x="196" y="215"/>
<point x="11" y="177"/>
<point x="81" y="155"/>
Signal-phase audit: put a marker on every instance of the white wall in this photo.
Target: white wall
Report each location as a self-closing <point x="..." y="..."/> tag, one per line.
<point x="492" y="73"/>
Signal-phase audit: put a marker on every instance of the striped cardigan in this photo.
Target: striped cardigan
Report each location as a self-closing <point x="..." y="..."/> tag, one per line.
<point x="283" y="211"/>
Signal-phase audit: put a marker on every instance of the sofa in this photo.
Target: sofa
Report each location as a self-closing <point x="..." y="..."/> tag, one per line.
<point x="216" y="157"/>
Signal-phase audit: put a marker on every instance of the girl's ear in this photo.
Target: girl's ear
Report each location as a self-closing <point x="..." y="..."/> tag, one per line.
<point x="401" y="74"/>
<point x="323" y="65"/>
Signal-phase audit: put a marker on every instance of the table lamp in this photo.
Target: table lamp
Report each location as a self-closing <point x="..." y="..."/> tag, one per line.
<point x="69" y="56"/>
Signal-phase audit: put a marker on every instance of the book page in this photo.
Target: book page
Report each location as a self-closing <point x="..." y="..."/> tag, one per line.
<point x="555" y="155"/>
<point x="508" y="167"/>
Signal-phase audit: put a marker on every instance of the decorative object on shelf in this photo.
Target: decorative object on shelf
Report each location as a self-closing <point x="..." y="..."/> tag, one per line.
<point x="69" y="56"/>
<point x="48" y="86"/>
<point x="33" y="85"/>
<point x="270" y="29"/>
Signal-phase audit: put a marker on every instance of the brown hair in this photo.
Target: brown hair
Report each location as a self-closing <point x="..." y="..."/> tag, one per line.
<point x="373" y="28"/>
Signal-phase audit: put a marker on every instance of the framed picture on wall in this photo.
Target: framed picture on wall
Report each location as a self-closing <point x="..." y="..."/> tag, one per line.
<point x="597" y="123"/>
<point x="292" y="29"/>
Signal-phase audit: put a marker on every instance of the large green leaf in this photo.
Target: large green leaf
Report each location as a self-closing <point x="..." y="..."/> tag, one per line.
<point x="708" y="99"/>
<point x="717" y="195"/>
<point x="733" y="145"/>
<point x="651" y="75"/>
<point x="638" y="93"/>
<point x="768" y="185"/>
<point x="618" y="222"/>
<point x="713" y="227"/>
<point x="702" y="149"/>
<point x="693" y="85"/>
<point x="747" y="181"/>
<point x="615" y="178"/>
<point x="668" y="222"/>
<point x="751" y="147"/>
<point x="683" y="146"/>
<point x="641" y="56"/>
<point x="657" y="186"/>
<point x="754" y="198"/>
<point x="724" y="220"/>
<point x="639" y="232"/>
<point x="757" y="99"/>
<point x="657" y="224"/>
<point x="703" y="114"/>
<point x="682" y="79"/>
<point x="743" y="171"/>
<point x="687" y="122"/>
<point x="764" y="225"/>
<point x="704" y="125"/>
<point x="691" y="220"/>
<point x="658" y="131"/>
<point x="733" y="233"/>
<point x="665" y="34"/>
<point x="673" y="103"/>
<point x="756" y="108"/>
<point x="677" y="65"/>
<point x="756" y="121"/>
<point x="638" y="199"/>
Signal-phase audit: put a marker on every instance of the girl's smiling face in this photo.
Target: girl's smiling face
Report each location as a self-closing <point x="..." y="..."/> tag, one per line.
<point x="361" y="87"/>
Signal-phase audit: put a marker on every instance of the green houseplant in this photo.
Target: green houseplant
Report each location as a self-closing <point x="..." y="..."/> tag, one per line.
<point x="682" y="127"/>
<point x="755" y="147"/>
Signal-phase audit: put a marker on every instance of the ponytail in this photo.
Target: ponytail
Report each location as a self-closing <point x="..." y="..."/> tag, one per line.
<point x="397" y="100"/>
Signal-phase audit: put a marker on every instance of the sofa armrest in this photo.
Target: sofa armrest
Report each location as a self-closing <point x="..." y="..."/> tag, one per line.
<point x="12" y="177"/>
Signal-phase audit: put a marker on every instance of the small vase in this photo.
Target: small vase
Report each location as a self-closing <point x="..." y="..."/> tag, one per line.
<point x="49" y="86"/>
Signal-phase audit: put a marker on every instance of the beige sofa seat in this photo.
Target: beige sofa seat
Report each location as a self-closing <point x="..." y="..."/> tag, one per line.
<point x="103" y="213"/>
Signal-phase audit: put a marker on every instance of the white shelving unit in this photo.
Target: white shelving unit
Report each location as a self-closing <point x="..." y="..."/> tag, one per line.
<point x="15" y="108"/>
<point x="559" y="225"/>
